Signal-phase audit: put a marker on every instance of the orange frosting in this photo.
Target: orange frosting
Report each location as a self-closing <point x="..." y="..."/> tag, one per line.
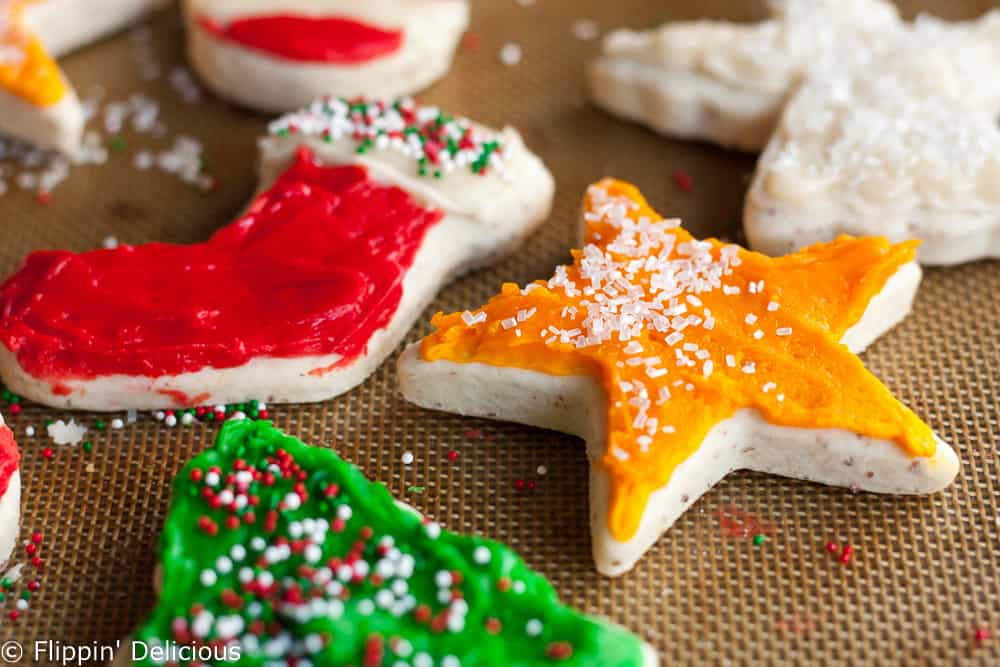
<point x="26" y="70"/>
<point x="683" y="333"/>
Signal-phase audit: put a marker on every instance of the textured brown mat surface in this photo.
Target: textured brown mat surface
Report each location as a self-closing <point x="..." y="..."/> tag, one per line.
<point x="924" y="576"/>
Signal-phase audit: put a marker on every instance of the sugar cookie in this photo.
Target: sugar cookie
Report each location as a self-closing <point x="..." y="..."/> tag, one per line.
<point x="276" y="551"/>
<point x="873" y="126"/>
<point x="278" y="55"/>
<point x="37" y="103"/>
<point x="368" y="209"/>
<point x="10" y="492"/>
<point x="679" y="361"/>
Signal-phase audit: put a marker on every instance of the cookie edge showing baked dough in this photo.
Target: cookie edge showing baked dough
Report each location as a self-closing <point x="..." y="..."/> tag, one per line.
<point x="269" y="83"/>
<point x="681" y="104"/>
<point x="577" y="405"/>
<point x="461" y="242"/>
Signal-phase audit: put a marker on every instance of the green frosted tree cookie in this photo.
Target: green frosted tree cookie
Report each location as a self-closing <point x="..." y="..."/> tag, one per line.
<point x="277" y="553"/>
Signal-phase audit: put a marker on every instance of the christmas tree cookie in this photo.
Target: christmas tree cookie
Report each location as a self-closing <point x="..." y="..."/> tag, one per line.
<point x="679" y="361"/>
<point x="277" y="553"/>
<point x="37" y="103"/>
<point x="368" y="209"/>
<point x="279" y="55"/>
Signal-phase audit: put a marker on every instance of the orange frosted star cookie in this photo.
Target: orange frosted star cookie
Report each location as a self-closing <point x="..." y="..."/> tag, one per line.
<point x="680" y="360"/>
<point x="37" y="103"/>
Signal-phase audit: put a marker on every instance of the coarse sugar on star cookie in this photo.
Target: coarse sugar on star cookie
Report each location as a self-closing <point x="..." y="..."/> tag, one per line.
<point x="279" y="55"/>
<point x="367" y="209"/>
<point x="275" y="552"/>
<point x="870" y="125"/>
<point x="37" y="103"/>
<point x="679" y="361"/>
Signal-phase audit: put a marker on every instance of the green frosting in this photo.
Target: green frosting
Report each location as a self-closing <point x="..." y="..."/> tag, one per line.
<point x="283" y="554"/>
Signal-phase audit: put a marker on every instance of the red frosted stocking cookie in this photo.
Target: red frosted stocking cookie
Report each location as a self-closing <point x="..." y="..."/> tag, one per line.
<point x="368" y="209"/>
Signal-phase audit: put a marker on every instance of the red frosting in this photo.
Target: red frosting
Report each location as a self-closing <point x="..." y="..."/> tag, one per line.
<point x="9" y="458"/>
<point x="304" y="38"/>
<point x="314" y="267"/>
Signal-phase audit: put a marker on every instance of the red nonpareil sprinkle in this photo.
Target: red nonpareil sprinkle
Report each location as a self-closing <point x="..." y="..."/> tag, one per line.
<point x="848" y="549"/>
<point x="374" y="651"/>
<point x="683" y="181"/>
<point x="452" y="455"/>
<point x="982" y="634"/>
<point x="44" y="198"/>
<point x="845" y="557"/>
<point x="196" y="475"/>
<point x="13" y="615"/>
<point x="493" y="626"/>
<point x="471" y="42"/>
<point x="208" y="526"/>
<point x="33" y="585"/>
<point x="519" y="484"/>
<point x="37" y="562"/>
<point x="263" y="414"/>
<point x="503" y="584"/>
<point x="48" y="453"/>
<point x="559" y="650"/>
<point x="831" y="547"/>
<point x="531" y="485"/>
<point x="14" y="408"/>
<point x="36" y="537"/>
<point x="31" y="548"/>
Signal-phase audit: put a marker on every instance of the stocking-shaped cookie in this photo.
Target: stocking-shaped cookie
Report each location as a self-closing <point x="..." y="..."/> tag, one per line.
<point x="368" y="209"/>
<point x="277" y="553"/>
<point x="37" y="103"/>
<point x="679" y="361"/>
<point x="872" y="125"/>
<point x="276" y="55"/>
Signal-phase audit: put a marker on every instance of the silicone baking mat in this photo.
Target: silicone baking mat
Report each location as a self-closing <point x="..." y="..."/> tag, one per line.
<point x="923" y="577"/>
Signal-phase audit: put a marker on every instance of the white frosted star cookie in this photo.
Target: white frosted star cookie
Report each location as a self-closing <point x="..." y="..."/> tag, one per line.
<point x="678" y="361"/>
<point x="872" y="125"/>
<point x="278" y="55"/>
<point x="37" y="103"/>
<point x="367" y="209"/>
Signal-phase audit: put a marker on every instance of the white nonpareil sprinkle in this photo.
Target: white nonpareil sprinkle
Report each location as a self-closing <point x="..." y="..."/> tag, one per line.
<point x="407" y="458"/>
<point x="585" y="29"/>
<point x="533" y="627"/>
<point x="481" y="555"/>
<point x="511" y="54"/>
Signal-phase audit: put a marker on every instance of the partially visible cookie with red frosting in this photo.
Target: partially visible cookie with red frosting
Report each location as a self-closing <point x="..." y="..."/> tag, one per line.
<point x="278" y="55"/>
<point x="10" y="491"/>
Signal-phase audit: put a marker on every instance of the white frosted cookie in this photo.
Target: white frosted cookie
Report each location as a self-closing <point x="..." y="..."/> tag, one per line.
<point x="278" y="55"/>
<point x="367" y="209"/>
<point x="872" y="125"/>
<point x="678" y="361"/>
<point x="37" y="103"/>
<point x="908" y="147"/>
<point x="727" y="82"/>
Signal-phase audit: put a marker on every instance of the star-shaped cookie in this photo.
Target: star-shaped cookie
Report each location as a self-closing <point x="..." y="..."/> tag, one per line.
<point x="679" y="360"/>
<point x="872" y="125"/>
<point x="37" y="103"/>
